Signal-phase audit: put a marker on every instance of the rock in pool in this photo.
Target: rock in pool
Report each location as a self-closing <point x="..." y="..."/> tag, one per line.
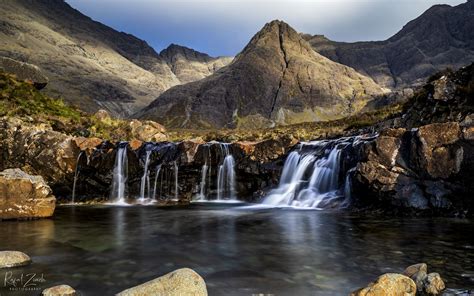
<point x="183" y="281"/>
<point x="389" y="284"/>
<point x="13" y="259"/>
<point x="61" y="290"/>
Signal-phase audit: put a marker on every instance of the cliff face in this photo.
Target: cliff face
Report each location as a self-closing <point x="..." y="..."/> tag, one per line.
<point x="276" y="79"/>
<point x="89" y="64"/>
<point x="440" y="38"/>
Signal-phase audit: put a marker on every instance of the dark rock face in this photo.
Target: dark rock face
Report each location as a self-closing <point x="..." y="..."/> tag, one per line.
<point x="429" y="168"/>
<point x="277" y="79"/>
<point x="24" y="71"/>
<point x="449" y="96"/>
<point x="441" y="37"/>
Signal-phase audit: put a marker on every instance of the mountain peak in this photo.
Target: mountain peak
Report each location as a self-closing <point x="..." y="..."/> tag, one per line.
<point x="277" y="79"/>
<point x="174" y="50"/>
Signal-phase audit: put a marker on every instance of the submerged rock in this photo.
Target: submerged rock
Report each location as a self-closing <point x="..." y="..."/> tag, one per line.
<point x="183" y="281"/>
<point x="13" y="259"/>
<point x="389" y="284"/>
<point x="61" y="290"/>
<point x="23" y="196"/>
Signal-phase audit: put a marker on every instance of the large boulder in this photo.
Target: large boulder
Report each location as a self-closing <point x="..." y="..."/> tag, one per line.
<point x="24" y="71"/>
<point x="38" y="150"/>
<point x="23" y="196"/>
<point x="389" y="284"/>
<point x="438" y="155"/>
<point x="13" y="259"/>
<point x="183" y="281"/>
<point x="147" y="131"/>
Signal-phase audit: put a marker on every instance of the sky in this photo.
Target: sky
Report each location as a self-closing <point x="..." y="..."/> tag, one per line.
<point x="224" y="27"/>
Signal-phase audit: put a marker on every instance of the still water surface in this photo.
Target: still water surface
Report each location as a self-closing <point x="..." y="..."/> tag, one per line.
<point x="238" y="251"/>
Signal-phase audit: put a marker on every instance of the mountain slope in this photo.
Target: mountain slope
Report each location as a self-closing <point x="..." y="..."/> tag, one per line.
<point x="89" y="64"/>
<point x="189" y="65"/>
<point x="441" y="37"/>
<point x="277" y="79"/>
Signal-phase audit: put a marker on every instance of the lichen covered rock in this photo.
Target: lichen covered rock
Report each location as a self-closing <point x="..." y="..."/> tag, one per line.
<point x="13" y="259"/>
<point x="61" y="290"/>
<point x="183" y="281"/>
<point x="389" y="284"/>
<point x="23" y="196"/>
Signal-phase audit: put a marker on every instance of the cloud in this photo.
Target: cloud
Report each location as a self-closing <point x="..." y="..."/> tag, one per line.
<point x="223" y="27"/>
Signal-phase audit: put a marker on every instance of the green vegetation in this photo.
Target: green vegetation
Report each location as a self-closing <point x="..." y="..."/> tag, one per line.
<point x="23" y="100"/>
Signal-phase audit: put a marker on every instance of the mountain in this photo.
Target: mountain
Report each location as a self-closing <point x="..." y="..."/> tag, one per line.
<point x="89" y="64"/>
<point x="189" y="65"/>
<point x="442" y="37"/>
<point x="277" y="79"/>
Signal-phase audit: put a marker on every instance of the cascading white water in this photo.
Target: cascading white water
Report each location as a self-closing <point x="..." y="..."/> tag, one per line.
<point x="226" y="175"/>
<point x="76" y="176"/>
<point x="158" y="169"/>
<point x="145" y="180"/>
<point x="176" y="187"/>
<point x="120" y="175"/>
<point x="310" y="179"/>
<point x="202" y="185"/>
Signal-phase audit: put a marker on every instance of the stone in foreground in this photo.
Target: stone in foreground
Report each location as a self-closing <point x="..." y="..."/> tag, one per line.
<point x="389" y="284"/>
<point x="433" y="284"/>
<point x="61" y="290"/>
<point x="183" y="281"/>
<point x="23" y="196"/>
<point x="13" y="259"/>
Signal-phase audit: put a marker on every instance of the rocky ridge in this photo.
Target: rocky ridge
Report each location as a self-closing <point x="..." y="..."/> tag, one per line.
<point x="442" y="37"/>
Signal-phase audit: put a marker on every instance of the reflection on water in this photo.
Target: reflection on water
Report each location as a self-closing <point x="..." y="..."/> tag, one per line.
<point x="237" y="251"/>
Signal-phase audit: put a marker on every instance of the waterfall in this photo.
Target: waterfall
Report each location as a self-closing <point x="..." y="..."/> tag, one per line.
<point x="311" y="176"/>
<point x="158" y="169"/>
<point x="145" y="180"/>
<point x="226" y="175"/>
<point x="120" y="174"/>
<point x="76" y="176"/>
<point x="202" y="185"/>
<point x="176" y="188"/>
<point x="205" y="180"/>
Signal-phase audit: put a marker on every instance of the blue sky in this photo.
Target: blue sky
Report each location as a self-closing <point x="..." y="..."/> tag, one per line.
<point x="223" y="27"/>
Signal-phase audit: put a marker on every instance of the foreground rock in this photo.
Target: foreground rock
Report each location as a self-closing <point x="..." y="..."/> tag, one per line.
<point x="428" y="284"/>
<point x="23" y="196"/>
<point x="389" y="284"/>
<point x="183" y="281"/>
<point x="13" y="259"/>
<point x="415" y="280"/>
<point x="61" y="290"/>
